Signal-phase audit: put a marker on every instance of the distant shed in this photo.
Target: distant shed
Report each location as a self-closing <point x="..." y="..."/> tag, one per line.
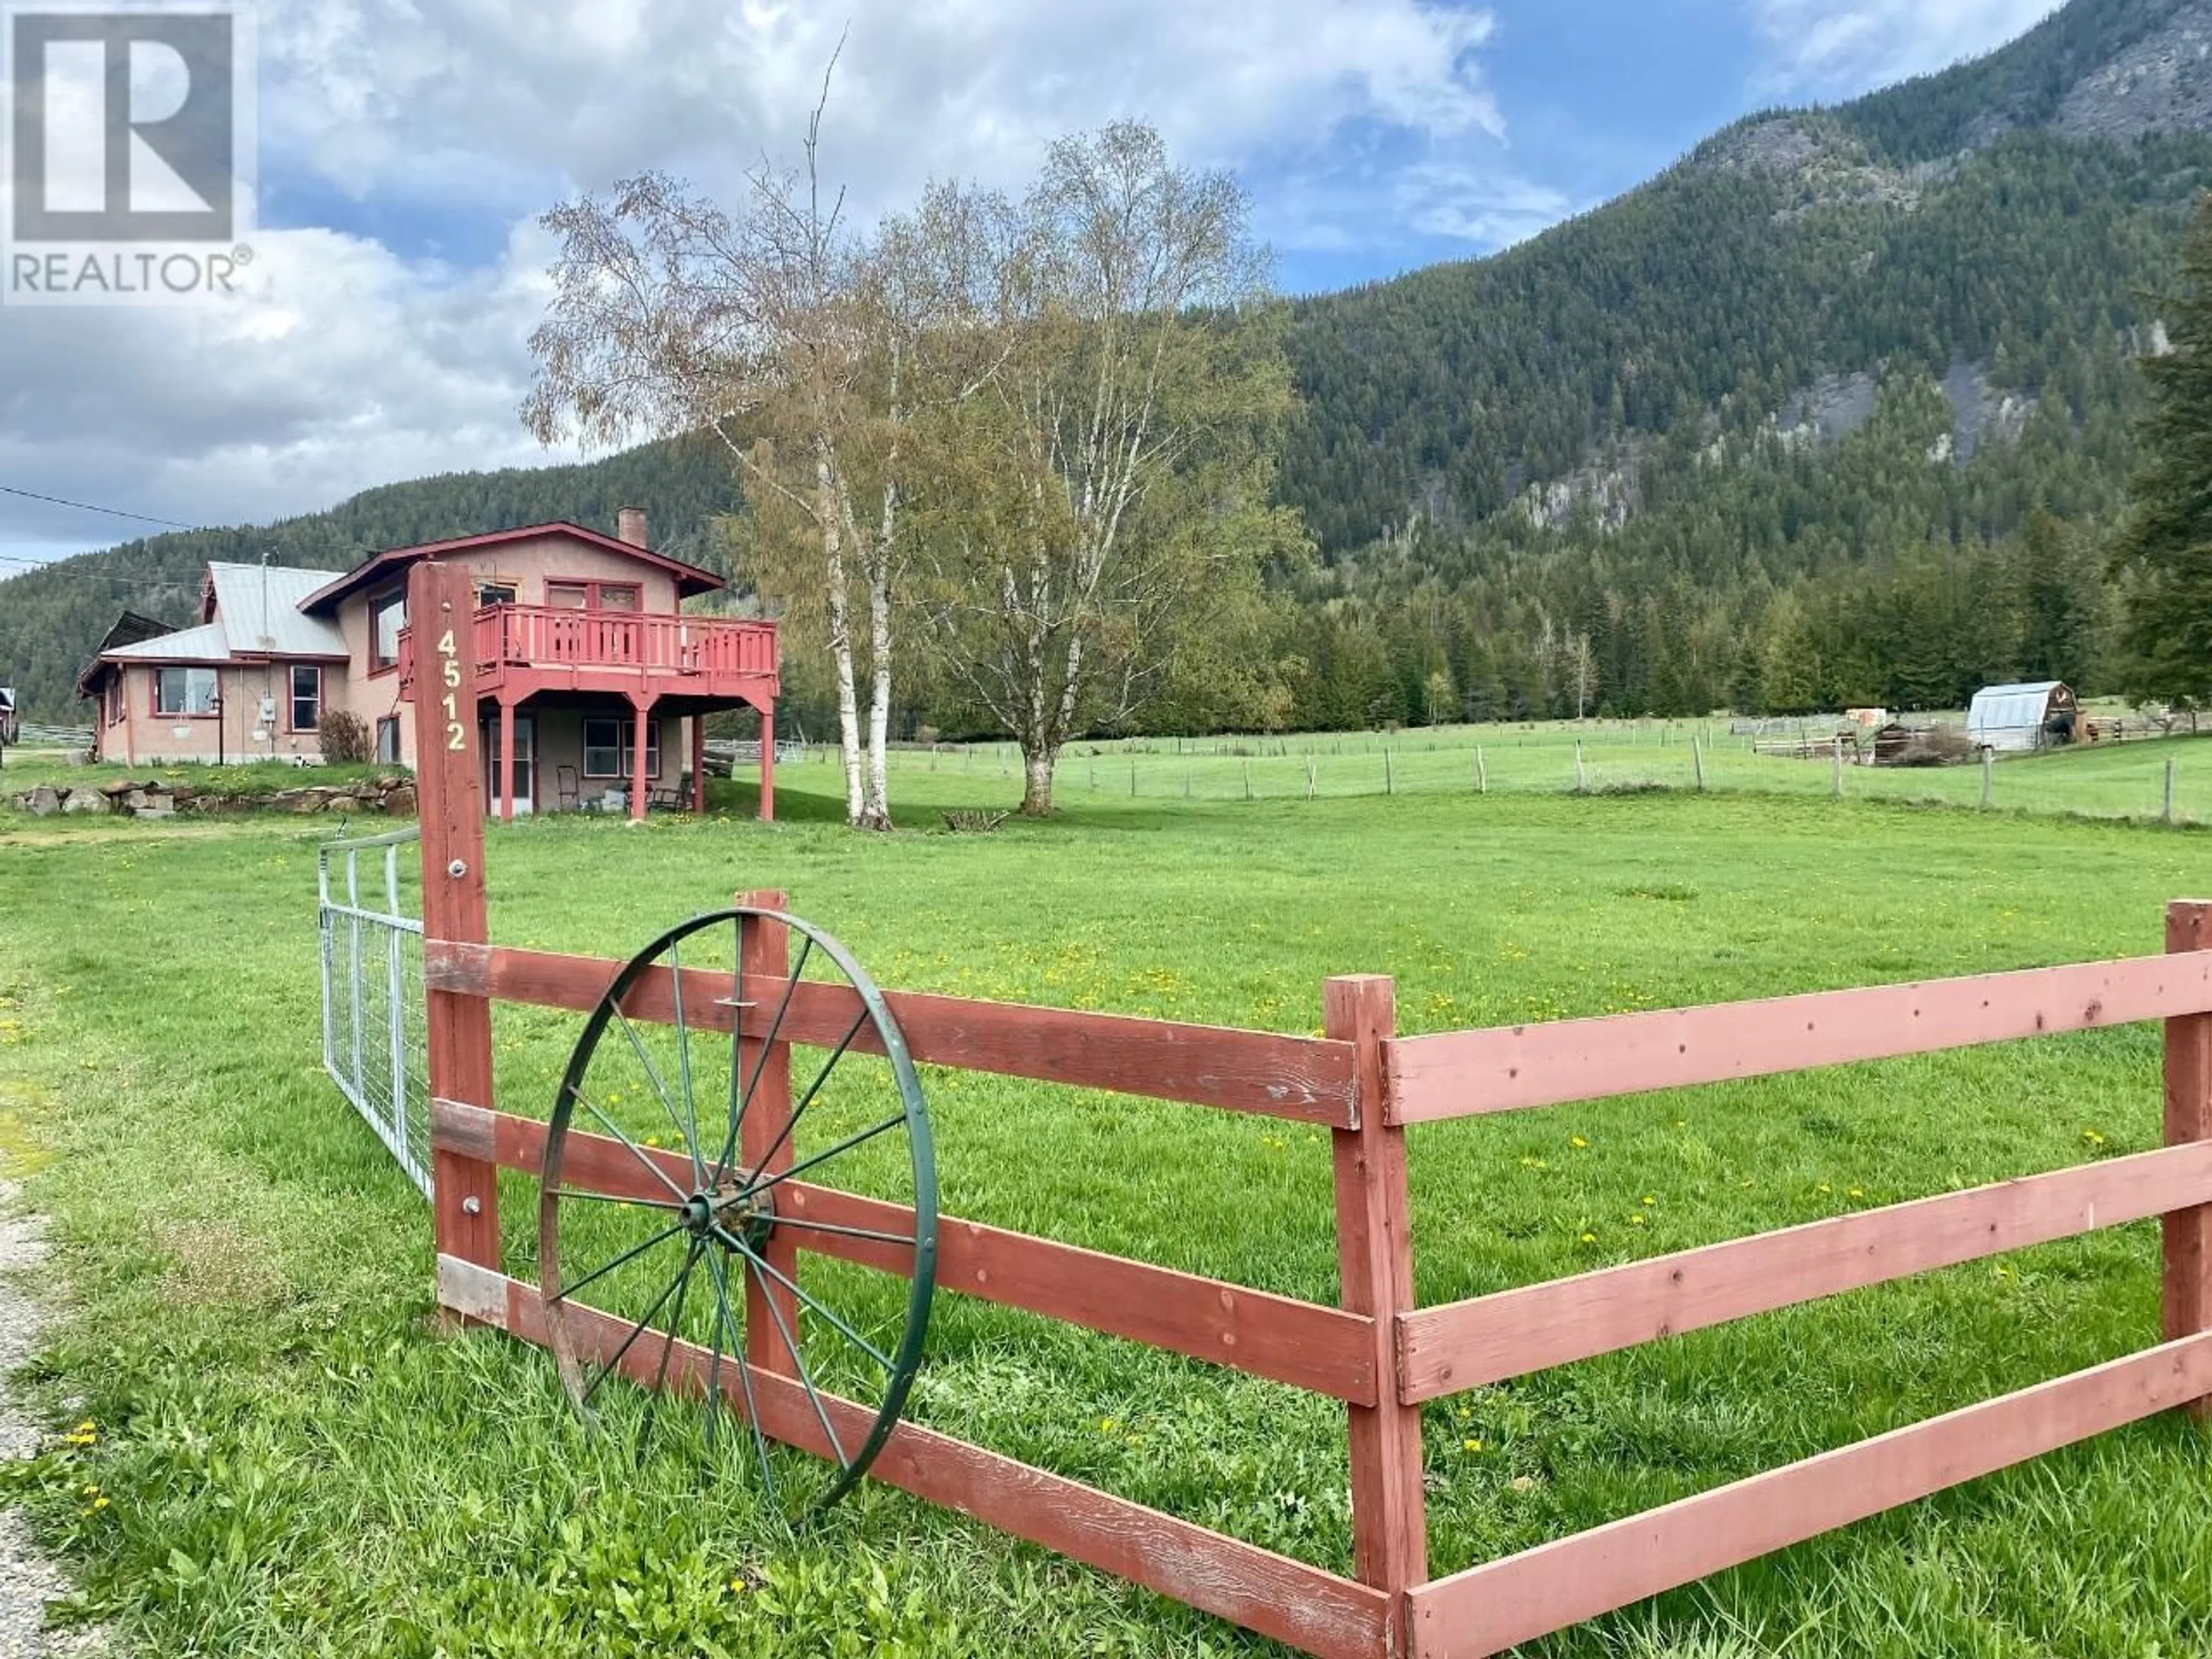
<point x="8" y="726"/>
<point x="2042" y="715"/>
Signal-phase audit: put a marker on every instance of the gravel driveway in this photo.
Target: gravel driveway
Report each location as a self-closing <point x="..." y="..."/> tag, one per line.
<point x="28" y="1581"/>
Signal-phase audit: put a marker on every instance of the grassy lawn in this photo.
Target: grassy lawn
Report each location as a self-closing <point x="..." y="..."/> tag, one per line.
<point x="295" y="1461"/>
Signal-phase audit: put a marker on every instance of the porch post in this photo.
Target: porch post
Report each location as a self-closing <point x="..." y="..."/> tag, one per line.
<point x="699" y="763"/>
<point x="768" y="764"/>
<point x="506" y="761"/>
<point x="643" y="706"/>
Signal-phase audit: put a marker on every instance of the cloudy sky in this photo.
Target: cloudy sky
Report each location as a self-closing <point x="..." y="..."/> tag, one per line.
<point x="408" y="145"/>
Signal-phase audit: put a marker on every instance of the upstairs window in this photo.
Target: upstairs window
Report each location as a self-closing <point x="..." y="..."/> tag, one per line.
<point x="386" y="616"/>
<point x="184" y="691"/>
<point x="307" y="697"/>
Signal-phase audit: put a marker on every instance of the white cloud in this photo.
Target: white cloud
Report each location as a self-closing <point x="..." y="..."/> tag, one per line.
<point x="594" y="89"/>
<point x="1836" y="48"/>
<point x="339" y="366"/>
<point x="349" y="365"/>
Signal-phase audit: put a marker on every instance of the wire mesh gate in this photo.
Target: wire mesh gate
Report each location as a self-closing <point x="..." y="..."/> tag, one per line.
<point x="373" y="1010"/>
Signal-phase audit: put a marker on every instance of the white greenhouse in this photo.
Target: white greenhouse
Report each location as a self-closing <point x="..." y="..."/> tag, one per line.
<point x="2042" y="715"/>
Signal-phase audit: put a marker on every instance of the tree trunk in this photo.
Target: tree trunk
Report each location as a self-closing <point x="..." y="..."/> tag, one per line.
<point x="840" y="645"/>
<point x="1036" y="781"/>
<point x="878" y="808"/>
<point x="877" y="812"/>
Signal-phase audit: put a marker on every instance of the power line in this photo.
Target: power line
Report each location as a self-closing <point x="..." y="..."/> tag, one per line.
<point x="89" y="507"/>
<point x="52" y="567"/>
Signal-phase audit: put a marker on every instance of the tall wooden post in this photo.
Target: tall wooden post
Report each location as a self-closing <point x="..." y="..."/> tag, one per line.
<point x="449" y="791"/>
<point x="641" y="732"/>
<point x="506" y="761"/>
<point x="2187" y="1234"/>
<point x="699" y="762"/>
<point x="767" y="765"/>
<point x="1375" y="1258"/>
<point x="766" y="961"/>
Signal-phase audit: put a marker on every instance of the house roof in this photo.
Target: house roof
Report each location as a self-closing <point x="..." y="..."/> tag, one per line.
<point x="128" y="628"/>
<point x="258" y="608"/>
<point x="689" y="578"/>
<point x="204" y="643"/>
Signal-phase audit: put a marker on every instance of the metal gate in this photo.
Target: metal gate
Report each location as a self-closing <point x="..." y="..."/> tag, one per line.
<point x="373" y="1021"/>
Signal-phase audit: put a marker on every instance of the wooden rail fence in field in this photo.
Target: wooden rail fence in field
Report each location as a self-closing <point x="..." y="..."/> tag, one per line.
<point x="1377" y="1350"/>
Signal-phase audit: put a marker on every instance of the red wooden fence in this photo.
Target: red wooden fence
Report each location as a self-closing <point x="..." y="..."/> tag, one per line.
<point x="1378" y="1351"/>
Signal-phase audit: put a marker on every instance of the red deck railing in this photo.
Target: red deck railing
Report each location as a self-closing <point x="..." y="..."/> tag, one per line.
<point x="537" y="639"/>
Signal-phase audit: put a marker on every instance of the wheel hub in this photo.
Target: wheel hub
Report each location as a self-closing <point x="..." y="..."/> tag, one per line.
<point x="732" y="1210"/>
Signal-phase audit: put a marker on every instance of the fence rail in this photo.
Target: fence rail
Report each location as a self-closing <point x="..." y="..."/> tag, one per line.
<point x="1379" y="1351"/>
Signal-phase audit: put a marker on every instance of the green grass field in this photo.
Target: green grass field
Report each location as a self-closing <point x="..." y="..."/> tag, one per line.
<point x="295" y="1462"/>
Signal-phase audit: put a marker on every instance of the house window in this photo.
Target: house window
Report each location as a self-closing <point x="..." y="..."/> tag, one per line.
<point x="578" y="595"/>
<point x="386" y="616"/>
<point x="118" y="703"/>
<point x="387" y="740"/>
<point x="307" y="697"/>
<point x="611" y="748"/>
<point x="494" y="594"/>
<point x="183" y="690"/>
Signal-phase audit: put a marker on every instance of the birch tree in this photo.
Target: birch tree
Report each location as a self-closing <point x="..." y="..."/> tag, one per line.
<point x="1113" y="467"/>
<point x="759" y="323"/>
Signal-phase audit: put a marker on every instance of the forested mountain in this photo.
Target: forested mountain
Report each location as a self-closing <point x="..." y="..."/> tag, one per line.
<point x="1839" y="408"/>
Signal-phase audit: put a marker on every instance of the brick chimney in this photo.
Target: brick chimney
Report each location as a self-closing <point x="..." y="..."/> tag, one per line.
<point x="630" y="525"/>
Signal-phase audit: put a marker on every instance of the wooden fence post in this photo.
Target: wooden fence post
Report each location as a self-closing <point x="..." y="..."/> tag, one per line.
<point x="1698" y="764"/>
<point x="2167" y="811"/>
<point x="441" y="605"/>
<point x="766" y="959"/>
<point x="1988" y="763"/>
<point x="1375" y="1257"/>
<point x="2187" y="1234"/>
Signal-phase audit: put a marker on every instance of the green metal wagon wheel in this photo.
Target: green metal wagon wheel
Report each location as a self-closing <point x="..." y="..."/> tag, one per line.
<point x="673" y="1259"/>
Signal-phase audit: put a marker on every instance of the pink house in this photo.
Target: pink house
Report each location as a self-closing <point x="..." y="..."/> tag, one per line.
<point x="593" y="682"/>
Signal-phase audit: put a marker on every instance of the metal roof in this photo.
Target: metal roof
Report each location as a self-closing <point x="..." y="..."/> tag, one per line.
<point x="202" y="644"/>
<point x="258" y="608"/>
<point x="2010" y="708"/>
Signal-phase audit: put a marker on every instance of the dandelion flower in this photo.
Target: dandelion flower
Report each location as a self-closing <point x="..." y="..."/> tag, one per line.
<point x="1589" y="1238"/>
<point x="1649" y="1201"/>
<point x="1578" y="1143"/>
<point x="1471" y="1445"/>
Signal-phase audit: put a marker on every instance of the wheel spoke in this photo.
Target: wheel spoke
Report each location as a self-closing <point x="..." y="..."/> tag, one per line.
<point x="791" y="1118"/>
<point x="714" y="1365"/>
<point x="601" y="1271"/>
<point x="653" y="1075"/>
<point x="807" y="1163"/>
<point x="690" y="1254"/>
<point x="636" y="1151"/>
<point x="791" y="1284"/>
<point x="767" y="1048"/>
<point x="737" y="1034"/>
<point x="806" y="1376"/>
<point x="782" y="1221"/>
<point x="667" y="1349"/>
<point x="684" y="1069"/>
<point x="617" y="1198"/>
<point x="746" y="1384"/>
